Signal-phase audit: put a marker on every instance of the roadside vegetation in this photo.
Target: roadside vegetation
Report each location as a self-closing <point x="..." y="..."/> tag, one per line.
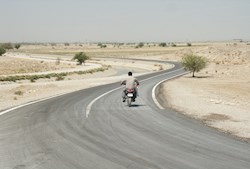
<point x="81" y="57"/>
<point x="7" y="46"/>
<point x="17" y="46"/>
<point x="19" y="92"/>
<point x="140" y="45"/>
<point x="163" y="44"/>
<point x="2" y="51"/>
<point x="58" y="76"/>
<point x="194" y="63"/>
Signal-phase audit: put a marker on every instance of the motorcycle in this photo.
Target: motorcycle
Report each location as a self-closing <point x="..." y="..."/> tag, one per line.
<point x="130" y="95"/>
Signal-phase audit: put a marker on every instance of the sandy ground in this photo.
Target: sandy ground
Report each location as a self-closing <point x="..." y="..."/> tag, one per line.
<point x="219" y="95"/>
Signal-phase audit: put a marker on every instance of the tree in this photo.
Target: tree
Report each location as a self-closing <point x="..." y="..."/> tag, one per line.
<point x="17" y="46"/>
<point x="189" y="44"/>
<point x="2" y="51"/>
<point x="163" y="44"/>
<point x="7" y="46"/>
<point x="81" y="57"/>
<point x="193" y="63"/>
<point x="140" y="45"/>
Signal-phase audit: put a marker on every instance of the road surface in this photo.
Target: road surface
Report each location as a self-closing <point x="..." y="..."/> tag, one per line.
<point x="94" y="129"/>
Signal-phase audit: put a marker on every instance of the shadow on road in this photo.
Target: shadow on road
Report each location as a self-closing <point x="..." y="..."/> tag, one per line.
<point x="137" y="105"/>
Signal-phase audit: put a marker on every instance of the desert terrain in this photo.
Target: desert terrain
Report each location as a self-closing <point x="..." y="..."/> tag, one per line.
<point x="219" y="95"/>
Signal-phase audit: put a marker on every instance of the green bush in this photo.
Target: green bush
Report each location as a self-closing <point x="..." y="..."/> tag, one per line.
<point x="81" y="57"/>
<point x="17" y="46"/>
<point x="2" y="51"/>
<point x="140" y="45"/>
<point x="163" y="44"/>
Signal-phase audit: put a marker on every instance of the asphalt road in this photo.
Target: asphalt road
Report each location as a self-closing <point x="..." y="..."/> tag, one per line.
<point x="56" y="134"/>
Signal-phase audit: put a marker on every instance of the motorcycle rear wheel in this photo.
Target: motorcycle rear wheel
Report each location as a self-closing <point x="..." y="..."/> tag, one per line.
<point x="129" y="100"/>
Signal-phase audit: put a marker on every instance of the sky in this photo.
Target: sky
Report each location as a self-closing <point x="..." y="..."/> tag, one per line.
<point x="124" y="20"/>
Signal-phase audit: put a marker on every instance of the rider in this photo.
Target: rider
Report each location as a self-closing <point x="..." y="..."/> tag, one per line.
<point x="131" y="83"/>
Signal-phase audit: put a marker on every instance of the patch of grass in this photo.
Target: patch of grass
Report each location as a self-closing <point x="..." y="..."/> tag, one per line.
<point x="216" y="117"/>
<point x="58" y="76"/>
<point x="18" y="92"/>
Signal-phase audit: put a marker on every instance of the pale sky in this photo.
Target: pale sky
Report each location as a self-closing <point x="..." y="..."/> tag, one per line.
<point x="124" y="20"/>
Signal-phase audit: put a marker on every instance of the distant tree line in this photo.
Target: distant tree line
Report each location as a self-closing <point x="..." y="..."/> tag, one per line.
<point x="8" y="46"/>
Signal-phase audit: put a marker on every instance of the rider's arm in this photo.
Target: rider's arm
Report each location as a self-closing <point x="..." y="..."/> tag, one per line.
<point x="137" y="82"/>
<point x="123" y="82"/>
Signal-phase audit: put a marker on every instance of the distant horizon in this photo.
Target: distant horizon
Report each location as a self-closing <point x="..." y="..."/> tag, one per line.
<point x="95" y="42"/>
<point x="86" y="21"/>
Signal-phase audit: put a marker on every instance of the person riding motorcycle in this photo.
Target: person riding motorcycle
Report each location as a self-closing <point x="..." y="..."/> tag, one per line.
<point x="131" y="83"/>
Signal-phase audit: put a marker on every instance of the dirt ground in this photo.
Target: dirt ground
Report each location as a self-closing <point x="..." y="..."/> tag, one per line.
<point x="10" y="65"/>
<point x="219" y="95"/>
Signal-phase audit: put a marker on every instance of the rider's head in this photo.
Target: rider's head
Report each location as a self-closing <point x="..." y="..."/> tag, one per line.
<point x="130" y="73"/>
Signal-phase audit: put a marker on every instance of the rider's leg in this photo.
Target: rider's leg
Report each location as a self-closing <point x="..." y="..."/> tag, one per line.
<point x="123" y="95"/>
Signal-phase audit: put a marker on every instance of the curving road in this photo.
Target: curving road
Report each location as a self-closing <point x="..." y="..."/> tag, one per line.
<point x="57" y="134"/>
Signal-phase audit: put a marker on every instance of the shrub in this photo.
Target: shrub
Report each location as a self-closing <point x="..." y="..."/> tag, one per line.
<point x="17" y="46"/>
<point x="59" y="77"/>
<point x="81" y="57"/>
<point x="7" y="46"/>
<point x="173" y="45"/>
<point x="101" y="45"/>
<point x="189" y="44"/>
<point x="58" y="61"/>
<point x="163" y="44"/>
<point x="140" y="45"/>
<point x="2" y="51"/>
<point x="19" y="92"/>
<point x="193" y="63"/>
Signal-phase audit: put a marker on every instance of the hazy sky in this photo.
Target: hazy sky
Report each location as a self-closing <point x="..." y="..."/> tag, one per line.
<point x="123" y="20"/>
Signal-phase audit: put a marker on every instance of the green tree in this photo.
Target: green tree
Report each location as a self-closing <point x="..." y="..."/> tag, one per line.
<point x="81" y="57"/>
<point x="17" y="46"/>
<point x="163" y="44"/>
<point x="141" y="44"/>
<point x="194" y="63"/>
<point x="2" y="51"/>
